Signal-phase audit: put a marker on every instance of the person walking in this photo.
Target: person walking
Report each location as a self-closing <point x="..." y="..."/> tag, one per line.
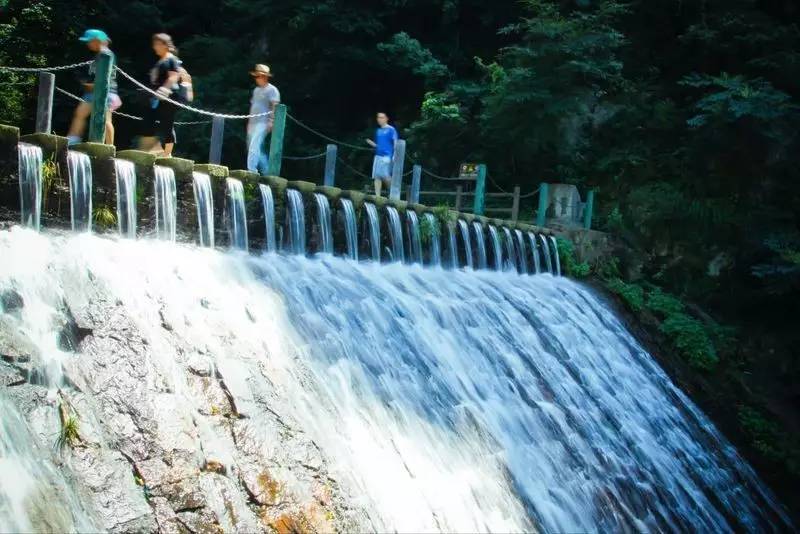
<point x="97" y="41"/>
<point x="165" y="80"/>
<point x="265" y="99"/>
<point x="385" y="138"/>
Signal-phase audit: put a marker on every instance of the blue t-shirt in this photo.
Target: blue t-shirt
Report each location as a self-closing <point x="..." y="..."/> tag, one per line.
<point x="384" y="139"/>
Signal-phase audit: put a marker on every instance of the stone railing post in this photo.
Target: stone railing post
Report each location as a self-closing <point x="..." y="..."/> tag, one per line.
<point x="44" y="105"/>
<point x="544" y="200"/>
<point x="102" y="81"/>
<point x="588" y="209"/>
<point x="398" y="161"/>
<point x="416" y="178"/>
<point x="217" y="136"/>
<point x="276" y="143"/>
<point x="330" y="165"/>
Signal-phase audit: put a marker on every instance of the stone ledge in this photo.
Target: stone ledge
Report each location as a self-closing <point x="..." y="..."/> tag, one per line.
<point x="214" y="171"/>
<point x="182" y="167"/>
<point x="378" y="201"/>
<point x="51" y="144"/>
<point x="356" y="196"/>
<point x="95" y="150"/>
<point x="9" y="135"/>
<point x="240" y="174"/>
<point x="139" y="158"/>
<point x="303" y="187"/>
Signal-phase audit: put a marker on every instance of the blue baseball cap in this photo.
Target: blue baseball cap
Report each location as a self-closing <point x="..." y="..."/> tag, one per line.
<point x="91" y="35"/>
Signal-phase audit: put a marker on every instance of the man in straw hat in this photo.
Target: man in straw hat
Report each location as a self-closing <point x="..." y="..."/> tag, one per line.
<point x="266" y="98"/>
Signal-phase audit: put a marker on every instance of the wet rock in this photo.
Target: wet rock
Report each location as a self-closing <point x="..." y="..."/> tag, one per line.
<point x="10" y="375"/>
<point x="200" y="365"/>
<point x="74" y="329"/>
<point x="11" y="301"/>
<point x="15" y="345"/>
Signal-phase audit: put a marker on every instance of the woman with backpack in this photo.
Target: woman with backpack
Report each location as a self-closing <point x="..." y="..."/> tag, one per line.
<point x="166" y="80"/>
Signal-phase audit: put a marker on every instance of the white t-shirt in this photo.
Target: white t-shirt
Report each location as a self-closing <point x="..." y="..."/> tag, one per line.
<point x="262" y="100"/>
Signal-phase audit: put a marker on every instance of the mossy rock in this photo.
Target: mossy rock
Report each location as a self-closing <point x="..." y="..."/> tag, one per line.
<point x="51" y="144"/>
<point x="419" y="208"/>
<point x="469" y="217"/>
<point x="95" y="150"/>
<point x="497" y="222"/>
<point x="182" y="167"/>
<point x="356" y="196"/>
<point x="219" y="172"/>
<point x="482" y="219"/>
<point x="303" y="187"/>
<point x="275" y="182"/>
<point x="333" y="193"/>
<point x="140" y="158"/>
<point x="378" y="201"/>
<point x="400" y="205"/>
<point x="244" y="176"/>
<point x="9" y="135"/>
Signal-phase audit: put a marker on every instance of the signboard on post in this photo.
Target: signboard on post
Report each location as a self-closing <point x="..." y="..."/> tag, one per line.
<point x="468" y="171"/>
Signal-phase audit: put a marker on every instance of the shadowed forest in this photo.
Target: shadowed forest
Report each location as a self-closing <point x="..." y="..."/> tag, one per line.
<point x="683" y="116"/>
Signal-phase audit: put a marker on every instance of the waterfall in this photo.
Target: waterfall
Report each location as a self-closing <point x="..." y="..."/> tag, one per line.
<point x="30" y="184"/>
<point x="204" y="202"/>
<point x="535" y="253"/>
<point x="521" y="252"/>
<point x="434" y="239"/>
<point x="396" y="234"/>
<point x="350" y="228"/>
<point x="374" y="226"/>
<point x="80" y="190"/>
<point x="296" y="221"/>
<point x="496" y="248"/>
<point x="480" y="244"/>
<point x="465" y="238"/>
<point x="452" y="245"/>
<point x="414" y="237"/>
<point x="325" y="245"/>
<point x="126" y="197"/>
<point x="510" y="249"/>
<point x="555" y="255"/>
<point x="424" y="400"/>
<point x="268" y="204"/>
<point x="236" y="213"/>
<point x="166" y="199"/>
<point x="546" y="253"/>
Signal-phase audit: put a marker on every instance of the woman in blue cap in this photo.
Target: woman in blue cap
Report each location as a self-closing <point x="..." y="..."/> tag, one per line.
<point x="97" y="41"/>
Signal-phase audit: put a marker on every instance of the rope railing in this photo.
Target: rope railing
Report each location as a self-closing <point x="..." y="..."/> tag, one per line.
<point x="303" y="158"/>
<point x="46" y="69"/>
<point x="323" y="136"/>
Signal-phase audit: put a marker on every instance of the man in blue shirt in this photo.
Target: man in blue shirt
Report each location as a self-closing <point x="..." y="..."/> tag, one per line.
<point x="385" y="138"/>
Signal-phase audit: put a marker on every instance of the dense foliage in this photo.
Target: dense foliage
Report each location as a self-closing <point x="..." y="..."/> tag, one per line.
<point x="682" y="114"/>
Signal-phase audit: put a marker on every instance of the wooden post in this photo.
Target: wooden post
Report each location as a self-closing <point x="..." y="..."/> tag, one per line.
<point x="330" y="165"/>
<point x="44" y="106"/>
<point x="276" y="143"/>
<point x="459" y="190"/>
<point x="217" y="135"/>
<point x="588" y="209"/>
<point x="102" y="80"/>
<point x="398" y="160"/>
<point x="480" y="190"/>
<point x="515" y="205"/>
<point x="544" y="200"/>
<point x="416" y="178"/>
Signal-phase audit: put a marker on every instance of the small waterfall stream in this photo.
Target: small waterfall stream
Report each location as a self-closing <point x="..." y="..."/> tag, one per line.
<point x="521" y="252"/>
<point x="452" y="245"/>
<point x="350" y="228"/>
<point x="497" y="248"/>
<point x="434" y="239"/>
<point x="30" y="184"/>
<point x="511" y="256"/>
<point x="555" y="255"/>
<point x="296" y="216"/>
<point x="414" y="237"/>
<point x="395" y="234"/>
<point x="467" y="240"/>
<point x="166" y="199"/>
<point x="126" y="197"/>
<point x="546" y="253"/>
<point x="325" y="245"/>
<point x="268" y="203"/>
<point x="80" y="190"/>
<point x="374" y="229"/>
<point x="204" y="202"/>
<point x="480" y="244"/>
<point x="535" y="253"/>
<point x="236" y="213"/>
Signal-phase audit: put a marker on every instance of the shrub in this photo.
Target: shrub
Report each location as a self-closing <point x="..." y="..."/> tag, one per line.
<point x="690" y="337"/>
<point x="664" y="304"/>
<point x="104" y="217"/>
<point x="631" y="294"/>
<point x="429" y="227"/>
<point x="69" y="435"/>
<point x="570" y="265"/>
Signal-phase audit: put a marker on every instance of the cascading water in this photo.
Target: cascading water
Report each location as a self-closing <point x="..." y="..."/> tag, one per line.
<point x="467" y="240"/>
<point x="350" y="228"/>
<point x="126" y="197"/>
<point x="30" y="184"/>
<point x="511" y="255"/>
<point x="325" y="244"/>
<point x="537" y="267"/>
<point x="236" y="213"/>
<point x="546" y="253"/>
<point x="434" y="233"/>
<point x="452" y="245"/>
<point x="556" y="256"/>
<point x="204" y="202"/>
<point x="80" y="190"/>
<point x="395" y="234"/>
<point x="414" y="237"/>
<point x="296" y="215"/>
<point x="512" y="404"/>
<point x="166" y="199"/>
<point x="374" y="227"/>
<point x="496" y="248"/>
<point x="268" y="203"/>
<point x="522" y="266"/>
<point x="480" y="244"/>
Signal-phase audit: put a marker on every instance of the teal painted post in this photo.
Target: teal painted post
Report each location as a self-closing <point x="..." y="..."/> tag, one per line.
<point x="588" y="209"/>
<point x="102" y="80"/>
<point x="416" y="178"/>
<point x="480" y="190"/>
<point x="276" y="143"/>
<point x="544" y="194"/>
<point x="330" y="165"/>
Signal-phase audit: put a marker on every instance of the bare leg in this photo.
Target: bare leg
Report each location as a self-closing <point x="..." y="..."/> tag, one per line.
<point x="378" y="184"/>
<point x="109" y="129"/>
<point x="78" y="125"/>
<point x="168" y="149"/>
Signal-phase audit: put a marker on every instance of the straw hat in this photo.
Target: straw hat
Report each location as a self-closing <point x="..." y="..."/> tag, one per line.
<point x="261" y="70"/>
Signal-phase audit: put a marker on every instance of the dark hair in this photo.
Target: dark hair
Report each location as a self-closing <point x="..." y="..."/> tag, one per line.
<point x="167" y="40"/>
<point x="382" y="113"/>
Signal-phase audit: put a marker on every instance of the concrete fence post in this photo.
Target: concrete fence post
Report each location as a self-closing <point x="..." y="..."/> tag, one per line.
<point x="276" y="143"/>
<point x="44" y="105"/>
<point x="588" y="209"/>
<point x="398" y="161"/>
<point x="459" y="191"/>
<point x="416" y="178"/>
<point x="515" y="205"/>
<point x="330" y="165"/>
<point x="544" y="200"/>
<point x="102" y="81"/>
<point x="217" y="136"/>
<point x="480" y="190"/>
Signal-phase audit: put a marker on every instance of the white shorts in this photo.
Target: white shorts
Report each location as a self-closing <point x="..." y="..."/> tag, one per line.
<point x="381" y="168"/>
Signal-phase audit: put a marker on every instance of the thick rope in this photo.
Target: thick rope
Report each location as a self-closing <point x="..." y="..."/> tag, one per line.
<point x="46" y="69"/>
<point x="323" y="136"/>
<point x="301" y="158"/>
